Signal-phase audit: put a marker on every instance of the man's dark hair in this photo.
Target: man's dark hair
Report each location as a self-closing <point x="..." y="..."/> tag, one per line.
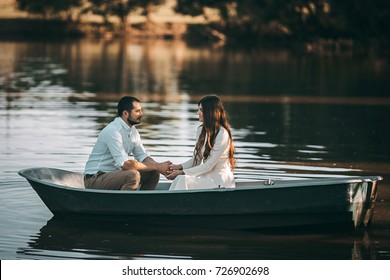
<point x="126" y="104"/>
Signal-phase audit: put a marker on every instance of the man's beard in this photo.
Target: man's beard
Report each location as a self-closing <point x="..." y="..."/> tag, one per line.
<point x="133" y="122"/>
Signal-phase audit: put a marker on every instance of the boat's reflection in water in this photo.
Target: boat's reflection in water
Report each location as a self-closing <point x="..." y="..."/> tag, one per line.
<point x="96" y="240"/>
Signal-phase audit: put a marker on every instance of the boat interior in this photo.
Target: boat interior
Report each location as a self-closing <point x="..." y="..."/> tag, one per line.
<point x="76" y="180"/>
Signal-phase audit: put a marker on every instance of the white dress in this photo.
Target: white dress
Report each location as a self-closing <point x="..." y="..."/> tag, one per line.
<point x="214" y="172"/>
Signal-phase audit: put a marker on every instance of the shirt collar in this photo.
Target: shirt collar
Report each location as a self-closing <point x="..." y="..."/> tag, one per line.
<point x="120" y="122"/>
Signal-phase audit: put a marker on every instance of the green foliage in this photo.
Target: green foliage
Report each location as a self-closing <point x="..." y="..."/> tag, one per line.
<point x="300" y="19"/>
<point x="119" y="8"/>
<point x="104" y="8"/>
<point x="196" y="7"/>
<point x="361" y="20"/>
<point x="48" y="8"/>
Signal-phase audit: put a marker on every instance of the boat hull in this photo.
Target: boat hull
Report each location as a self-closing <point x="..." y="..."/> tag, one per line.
<point x="250" y="205"/>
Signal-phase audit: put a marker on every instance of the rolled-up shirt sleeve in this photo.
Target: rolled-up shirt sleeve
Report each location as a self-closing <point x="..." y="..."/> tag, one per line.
<point x="221" y="144"/>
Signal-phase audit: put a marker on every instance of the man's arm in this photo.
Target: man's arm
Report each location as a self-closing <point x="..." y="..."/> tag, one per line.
<point x="148" y="164"/>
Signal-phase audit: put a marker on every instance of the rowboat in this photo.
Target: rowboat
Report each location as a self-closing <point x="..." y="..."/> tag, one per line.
<point x="251" y="205"/>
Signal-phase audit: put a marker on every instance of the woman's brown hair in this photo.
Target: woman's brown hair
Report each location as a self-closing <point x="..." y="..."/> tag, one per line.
<point x="214" y="116"/>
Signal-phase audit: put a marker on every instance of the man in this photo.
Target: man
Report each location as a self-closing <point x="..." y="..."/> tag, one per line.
<point x="110" y="165"/>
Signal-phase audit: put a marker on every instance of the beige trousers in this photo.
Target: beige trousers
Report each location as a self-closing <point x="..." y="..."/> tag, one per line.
<point x="123" y="180"/>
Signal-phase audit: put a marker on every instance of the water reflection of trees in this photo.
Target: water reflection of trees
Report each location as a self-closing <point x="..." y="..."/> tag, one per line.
<point x="169" y="70"/>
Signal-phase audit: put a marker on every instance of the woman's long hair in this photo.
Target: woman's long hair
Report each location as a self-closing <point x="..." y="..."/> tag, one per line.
<point x="214" y="116"/>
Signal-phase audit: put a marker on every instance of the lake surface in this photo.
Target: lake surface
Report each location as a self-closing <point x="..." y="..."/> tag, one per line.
<point x="292" y="114"/>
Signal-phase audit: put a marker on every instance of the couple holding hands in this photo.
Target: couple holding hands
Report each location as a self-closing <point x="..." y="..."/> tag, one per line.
<point x="119" y="161"/>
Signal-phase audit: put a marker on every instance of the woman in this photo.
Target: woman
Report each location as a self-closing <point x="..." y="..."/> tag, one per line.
<point x="213" y="159"/>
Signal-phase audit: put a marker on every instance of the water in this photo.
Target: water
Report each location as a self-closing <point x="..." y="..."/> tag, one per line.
<point x="293" y="115"/>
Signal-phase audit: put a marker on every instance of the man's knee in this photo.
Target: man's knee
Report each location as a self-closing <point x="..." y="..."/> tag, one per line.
<point x="133" y="175"/>
<point x="133" y="178"/>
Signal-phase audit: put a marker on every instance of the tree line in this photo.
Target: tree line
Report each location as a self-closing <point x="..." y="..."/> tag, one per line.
<point x="360" y="20"/>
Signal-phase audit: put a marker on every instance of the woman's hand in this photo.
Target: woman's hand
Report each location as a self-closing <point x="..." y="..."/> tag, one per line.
<point x="172" y="174"/>
<point x="175" y="167"/>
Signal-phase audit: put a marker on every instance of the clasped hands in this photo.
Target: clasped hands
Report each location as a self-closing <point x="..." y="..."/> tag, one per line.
<point x="170" y="170"/>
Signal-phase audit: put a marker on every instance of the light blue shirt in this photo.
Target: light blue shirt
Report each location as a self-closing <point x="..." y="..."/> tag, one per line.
<point x="116" y="143"/>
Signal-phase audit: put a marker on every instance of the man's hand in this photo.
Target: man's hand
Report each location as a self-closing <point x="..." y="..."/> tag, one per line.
<point x="163" y="167"/>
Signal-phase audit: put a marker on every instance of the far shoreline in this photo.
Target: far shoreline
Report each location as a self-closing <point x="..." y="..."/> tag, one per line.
<point x="192" y="32"/>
